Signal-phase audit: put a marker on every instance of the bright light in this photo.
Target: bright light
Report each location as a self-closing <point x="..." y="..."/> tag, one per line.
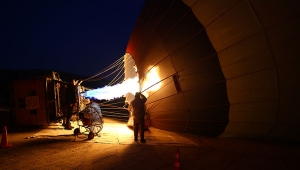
<point x="116" y="91"/>
<point x="151" y="81"/>
<point x="131" y="84"/>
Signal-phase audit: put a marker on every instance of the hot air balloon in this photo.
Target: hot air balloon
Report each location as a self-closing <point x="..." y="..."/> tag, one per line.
<point x="221" y="68"/>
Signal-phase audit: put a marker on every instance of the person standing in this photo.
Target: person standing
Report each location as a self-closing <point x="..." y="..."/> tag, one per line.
<point x="137" y="107"/>
<point x="71" y="100"/>
<point x="63" y="105"/>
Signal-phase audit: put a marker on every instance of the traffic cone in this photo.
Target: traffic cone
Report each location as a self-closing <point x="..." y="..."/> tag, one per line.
<point x="177" y="161"/>
<point x="4" y="140"/>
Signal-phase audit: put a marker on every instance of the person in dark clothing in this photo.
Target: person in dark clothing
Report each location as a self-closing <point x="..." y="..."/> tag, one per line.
<point x="71" y="100"/>
<point x="63" y="105"/>
<point x="137" y="107"/>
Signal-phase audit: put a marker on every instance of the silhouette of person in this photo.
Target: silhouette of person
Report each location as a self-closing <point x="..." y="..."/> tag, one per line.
<point x="137" y="107"/>
<point x="71" y="100"/>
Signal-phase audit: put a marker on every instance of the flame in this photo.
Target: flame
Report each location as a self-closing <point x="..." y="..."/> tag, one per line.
<point x="151" y="82"/>
<point x="116" y="91"/>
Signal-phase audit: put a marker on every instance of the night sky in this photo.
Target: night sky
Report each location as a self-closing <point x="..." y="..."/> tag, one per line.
<point x="73" y="36"/>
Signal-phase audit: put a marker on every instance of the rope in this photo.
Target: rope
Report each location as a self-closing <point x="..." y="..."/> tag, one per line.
<point x="117" y="77"/>
<point x="116" y="63"/>
<point x="105" y="76"/>
<point x="120" y="76"/>
<point x="116" y="108"/>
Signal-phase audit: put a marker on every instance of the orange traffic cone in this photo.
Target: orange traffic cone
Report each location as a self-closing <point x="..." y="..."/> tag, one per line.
<point x="177" y="161"/>
<point x="4" y="141"/>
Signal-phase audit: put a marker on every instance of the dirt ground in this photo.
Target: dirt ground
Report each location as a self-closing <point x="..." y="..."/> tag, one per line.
<point x="115" y="149"/>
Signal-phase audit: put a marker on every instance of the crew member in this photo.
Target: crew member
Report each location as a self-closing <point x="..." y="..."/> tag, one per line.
<point x="137" y="107"/>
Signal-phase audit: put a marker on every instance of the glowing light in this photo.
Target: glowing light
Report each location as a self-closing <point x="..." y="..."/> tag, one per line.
<point x="116" y="91"/>
<point x="127" y="88"/>
<point x="151" y="81"/>
<point x="131" y="84"/>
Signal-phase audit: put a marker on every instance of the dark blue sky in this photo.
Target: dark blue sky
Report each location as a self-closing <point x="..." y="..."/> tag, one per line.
<point x="74" y="36"/>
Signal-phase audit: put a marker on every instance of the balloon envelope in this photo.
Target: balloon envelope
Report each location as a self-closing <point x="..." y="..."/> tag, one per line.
<point x="224" y="68"/>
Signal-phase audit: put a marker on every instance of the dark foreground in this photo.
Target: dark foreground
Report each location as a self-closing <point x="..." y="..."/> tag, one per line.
<point x="31" y="151"/>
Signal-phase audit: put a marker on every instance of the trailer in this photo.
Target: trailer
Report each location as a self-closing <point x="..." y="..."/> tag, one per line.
<point x="37" y="101"/>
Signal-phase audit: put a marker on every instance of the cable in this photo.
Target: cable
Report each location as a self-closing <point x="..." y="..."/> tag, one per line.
<point x="106" y="75"/>
<point x="115" y="79"/>
<point x="106" y="69"/>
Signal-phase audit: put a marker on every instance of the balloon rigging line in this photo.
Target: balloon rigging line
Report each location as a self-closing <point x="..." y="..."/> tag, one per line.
<point x="121" y="61"/>
<point x="105" y="76"/>
<point x="121" y="68"/>
<point x="114" y="114"/>
<point x="110" y="69"/>
<point x="114" y="108"/>
<point x="117" y="62"/>
<point x="117" y="77"/>
<point x="106" y="70"/>
<point x="110" y="105"/>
